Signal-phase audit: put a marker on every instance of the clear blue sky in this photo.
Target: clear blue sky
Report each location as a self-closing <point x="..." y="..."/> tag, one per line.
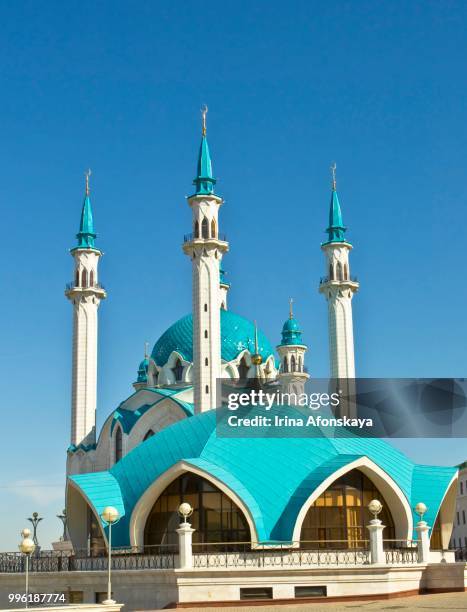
<point x="116" y="86"/>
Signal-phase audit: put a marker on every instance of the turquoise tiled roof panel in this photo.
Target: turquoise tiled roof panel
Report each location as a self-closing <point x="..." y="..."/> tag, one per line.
<point x="237" y="334"/>
<point x="101" y="489"/>
<point x="272" y="476"/>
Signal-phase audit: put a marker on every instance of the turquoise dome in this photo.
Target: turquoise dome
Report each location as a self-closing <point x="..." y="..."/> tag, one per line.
<point x="291" y="332"/>
<point x="237" y="334"/>
<point x="143" y="370"/>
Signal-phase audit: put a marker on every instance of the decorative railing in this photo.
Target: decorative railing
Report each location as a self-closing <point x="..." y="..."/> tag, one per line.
<point x="191" y="237"/>
<point x="154" y="557"/>
<point x="303" y="554"/>
<point x="72" y="285"/>
<point x="326" y="279"/>
<point x="400" y="552"/>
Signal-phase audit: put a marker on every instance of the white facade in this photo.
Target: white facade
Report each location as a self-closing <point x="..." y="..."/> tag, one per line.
<point x="206" y="251"/>
<point x="338" y="289"/>
<point x="85" y="294"/>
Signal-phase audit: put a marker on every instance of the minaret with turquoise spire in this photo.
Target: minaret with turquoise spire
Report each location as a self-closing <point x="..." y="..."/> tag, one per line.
<point x="338" y="288"/>
<point x="205" y="247"/>
<point x="291" y="350"/>
<point x="85" y="293"/>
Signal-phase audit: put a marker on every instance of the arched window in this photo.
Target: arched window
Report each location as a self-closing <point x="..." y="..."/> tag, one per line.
<point x="346" y="272"/>
<point x="118" y="444"/>
<point x="205" y="228"/>
<point x="205" y="333"/>
<point x="285" y="365"/>
<point x="213" y="229"/>
<point x="206" y="389"/>
<point x="206" y="361"/>
<point x="91" y="278"/>
<point x="148" y="435"/>
<point x="338" y="518"/>
<point x="293" y="365"/>
<point x="77" y="278"/>
<point x="196" y="229"/>
<point x="205" y="308"/>
<point x="178" y="370"/>
<point x="331" y="271"/>
<point x="300" y="364"/>
<point x="243" y="369"/>
<point x="215" y="518"/>
<point x="339" y="271"/>
<point x="84" y="278"/>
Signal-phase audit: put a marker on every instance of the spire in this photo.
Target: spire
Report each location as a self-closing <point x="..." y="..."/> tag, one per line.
<point x="336" y="229"/>
<point x="290" y="308"/>
<point x="86" y="234"/>
<point x="204" y="180"/>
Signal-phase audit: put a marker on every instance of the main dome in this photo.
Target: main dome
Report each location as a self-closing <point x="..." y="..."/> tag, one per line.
<point x="237" y="334"/>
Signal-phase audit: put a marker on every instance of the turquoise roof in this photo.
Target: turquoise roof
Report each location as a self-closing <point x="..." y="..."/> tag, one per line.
<point x="272" y="476"/>
<point x="336" y="229"/>
<point x="204" y="180"/>
<point x="237" y="334"/>
<point x="86" y="234"/>
<point x="291" y="332"/>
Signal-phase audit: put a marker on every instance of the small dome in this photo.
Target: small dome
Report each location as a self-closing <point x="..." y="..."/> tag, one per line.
<point x="291" y="332"/>
<point x="143" y="371"/>
<point x="237" y="334"/>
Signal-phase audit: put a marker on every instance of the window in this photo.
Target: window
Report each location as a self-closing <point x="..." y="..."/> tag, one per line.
<point x="465" y="541"/>
<point x="300" y="364"/>
<point x="256" y="593"/>
<point x="205" y="228"/>
<point x="148" y="435"/>
<point x="206" y="361"/>
<point x="331" y="272"/>
<point x="118" y="444"/>
<point x="205" y="333"/>
<point x="91" y="278"/>
<point x="346" y="272"/>
<point x="293" y="367"/>
<point x="339" y="271"/>
<point x="213" y="229"/>
<point x="463" y="516"/>
<point x="84" y="278"/>
<point x="285" y="365"/>
<point x="462" y="487"/>
<point x="178" y="370"/>
<point x="196" y="229"/>
<point x="77" y="278"/>
<point x="311" y="591"/>
<point x="216" y="518"/>
<point x="75" y="597"/>
<point x="338" y="518"/>
<point x="205" y="308"/>
<point x="207" y="389"/>
<point x="458" y="519"/>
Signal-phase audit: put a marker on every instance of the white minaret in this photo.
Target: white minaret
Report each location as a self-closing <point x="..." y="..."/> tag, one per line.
<point x="338" y="288"/>
<point x="292" y="372"/>
<point x="85" y="293"/>
<point x="205" y="247"/>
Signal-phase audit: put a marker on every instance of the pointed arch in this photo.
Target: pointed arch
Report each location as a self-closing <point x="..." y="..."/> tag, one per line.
<point x="77" y="278"/>
<point x="178" y="370"/>
<point x="293" y="365"/>
<point x="346" y="272"/>
<point x="118" y="443"/>
<point x="205" y="228"/>
<point x="91" y="278"/>
<point x="300" y="364"/>
<point x="331" y="271"/>
<point x="285" y="365"/>
<point x="213" y="229"/>
<point x="339" y="271"/>
<point x="243" y="368"/>
<point x="196" y="229"/>
<point x="84" y="278"/>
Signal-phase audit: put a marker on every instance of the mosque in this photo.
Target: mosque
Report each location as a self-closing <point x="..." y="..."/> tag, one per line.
<point x="159" y="447"/>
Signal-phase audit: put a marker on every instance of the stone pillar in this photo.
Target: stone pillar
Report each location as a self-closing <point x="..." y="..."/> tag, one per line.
<point x="185" y="548"/>
<point x="376" y="541"/>
<point x="423" y="530"/>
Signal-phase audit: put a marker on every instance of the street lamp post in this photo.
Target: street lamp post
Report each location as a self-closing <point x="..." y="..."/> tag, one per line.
<point x="110" y="516"/>
<point x="27" y="547"/>
<point x="35" y="520"/>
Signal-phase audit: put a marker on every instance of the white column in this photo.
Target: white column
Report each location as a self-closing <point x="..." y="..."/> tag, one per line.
<point x="376" y="541"/>
<point x="185" y="547"/>
<point x="423" y="530"/>
<point x="85" y="294"/>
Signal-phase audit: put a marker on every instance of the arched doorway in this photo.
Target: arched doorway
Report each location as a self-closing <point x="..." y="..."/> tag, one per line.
<point x="339" y="516"/>
<point x="216" y="518"/>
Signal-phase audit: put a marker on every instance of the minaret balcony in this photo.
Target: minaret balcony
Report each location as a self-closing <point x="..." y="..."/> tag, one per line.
<point x="352" y="280"/>
<point x="192" y="242"/>
<point x="71" y="289"/>
<point x="192" y="238"/>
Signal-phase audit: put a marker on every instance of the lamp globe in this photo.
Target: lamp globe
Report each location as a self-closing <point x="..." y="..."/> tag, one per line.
<point x="110" y="514"/>
<point x="27" y="546"/>
<point x="421" y="509"/>
<point x="185" y="510"/>
<point x="375" y="507"/>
